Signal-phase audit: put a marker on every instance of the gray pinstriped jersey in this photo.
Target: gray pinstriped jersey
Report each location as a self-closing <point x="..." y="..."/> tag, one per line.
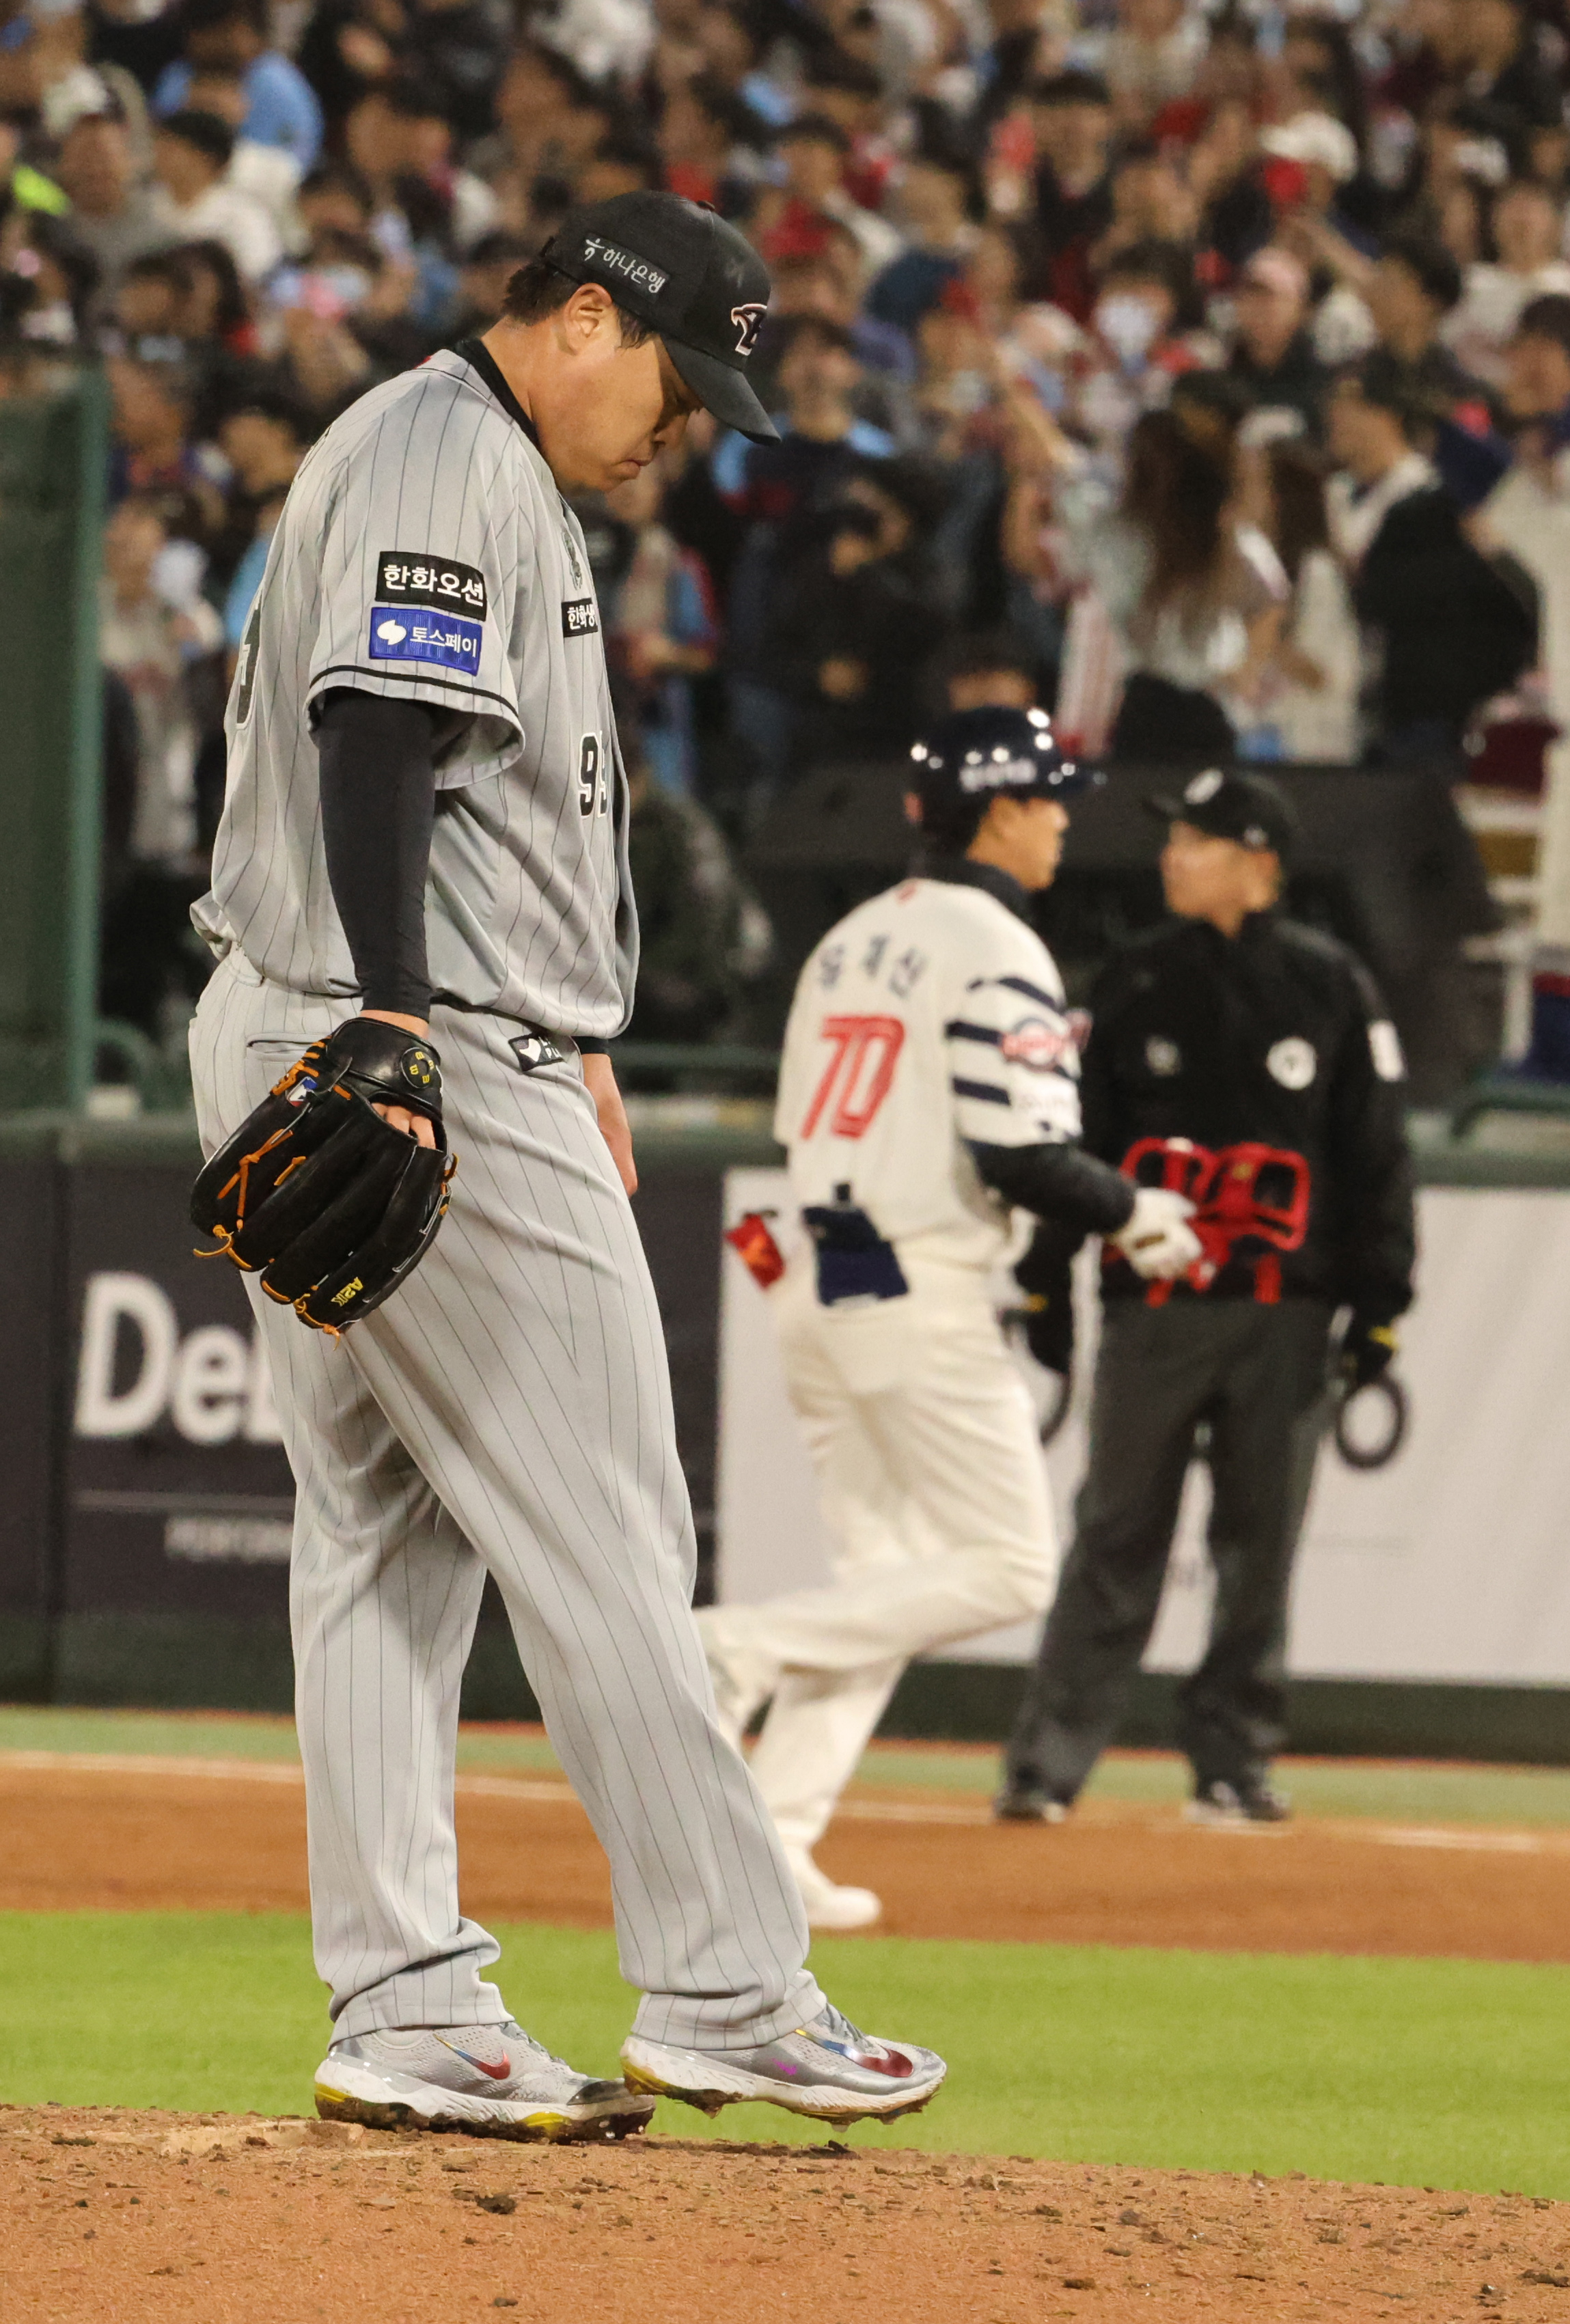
<point x="425" y="553"/>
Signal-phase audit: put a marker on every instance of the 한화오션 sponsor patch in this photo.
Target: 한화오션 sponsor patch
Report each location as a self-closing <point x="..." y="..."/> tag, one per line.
<point x="409" y="578"/>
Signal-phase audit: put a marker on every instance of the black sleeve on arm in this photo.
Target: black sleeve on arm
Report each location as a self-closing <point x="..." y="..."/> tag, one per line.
<point x="378" y="804"/>
<point x="1061" y="1183"/>
<point x="1370" y="1199"/>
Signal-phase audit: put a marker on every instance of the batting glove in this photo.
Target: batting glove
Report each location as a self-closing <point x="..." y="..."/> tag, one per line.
<point x="1158" y="1241"/>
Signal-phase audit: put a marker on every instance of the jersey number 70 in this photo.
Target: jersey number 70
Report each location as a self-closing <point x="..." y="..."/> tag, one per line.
<point x="858" y="1075"/>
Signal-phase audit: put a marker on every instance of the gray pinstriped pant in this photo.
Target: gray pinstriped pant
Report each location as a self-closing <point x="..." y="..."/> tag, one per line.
<point x="508" y="1411"/>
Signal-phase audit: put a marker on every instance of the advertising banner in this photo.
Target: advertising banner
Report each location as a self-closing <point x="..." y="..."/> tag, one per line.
<point x="145" y="1539"/>
<point x="176" y="1492"/>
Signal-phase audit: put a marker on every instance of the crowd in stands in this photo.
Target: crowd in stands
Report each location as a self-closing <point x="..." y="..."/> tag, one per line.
<point x="1206" y="368"/>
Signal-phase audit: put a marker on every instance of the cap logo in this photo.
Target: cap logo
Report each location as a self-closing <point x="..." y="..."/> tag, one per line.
<point x="995" y="771"/>
<point x="1203" y="787"/>
<point x="749" y="321"/>
<point x="617" y="260"/>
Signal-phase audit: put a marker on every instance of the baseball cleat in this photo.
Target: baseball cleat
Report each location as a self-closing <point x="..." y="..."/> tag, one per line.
<point x="1243" y="1803"/>
<point x="495" y="2080"/>
<point x="829" y="2071"/>
<point x="743" y="1680"/>
<point x="829" y="1907"/>
<point x="1024" y="1803"/>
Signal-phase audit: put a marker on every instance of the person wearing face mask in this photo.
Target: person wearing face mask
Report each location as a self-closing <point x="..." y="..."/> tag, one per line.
<point x="1140" y="346"/>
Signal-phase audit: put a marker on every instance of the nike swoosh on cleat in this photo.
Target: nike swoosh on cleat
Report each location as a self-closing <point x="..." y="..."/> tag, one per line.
<point x="493" y="2073"/>
<point x="885" y="2061"/>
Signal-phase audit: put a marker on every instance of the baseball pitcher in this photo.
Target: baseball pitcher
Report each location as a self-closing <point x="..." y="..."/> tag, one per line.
<point x="421" y="884"/>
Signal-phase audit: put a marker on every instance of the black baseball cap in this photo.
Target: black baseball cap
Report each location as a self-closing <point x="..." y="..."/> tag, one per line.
<point x="986" y="752"/>
<point x="681" y="269"/>
<point x="1247" y="809"/>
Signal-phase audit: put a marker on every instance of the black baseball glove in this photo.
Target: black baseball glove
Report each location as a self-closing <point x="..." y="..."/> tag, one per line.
<point x="334" y="1205"/>
<point x="1366" y="1352"/>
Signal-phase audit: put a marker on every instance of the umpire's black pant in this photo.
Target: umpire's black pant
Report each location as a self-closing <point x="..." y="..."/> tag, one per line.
<point x="1258" y="1375"/>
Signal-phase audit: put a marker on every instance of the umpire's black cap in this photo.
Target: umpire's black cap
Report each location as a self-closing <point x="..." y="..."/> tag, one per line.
<point x="991" y="753"/>
<point x="683" y="270"/>
<point x="1248" y="808"/>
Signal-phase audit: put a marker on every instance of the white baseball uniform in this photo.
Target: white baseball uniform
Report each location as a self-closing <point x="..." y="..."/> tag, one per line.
<point x="930" y="1016"/>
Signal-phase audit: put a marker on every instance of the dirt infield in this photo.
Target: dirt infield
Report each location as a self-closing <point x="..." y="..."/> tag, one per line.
<point x="229" y="1836"/>
<point x="150" y="2216"/>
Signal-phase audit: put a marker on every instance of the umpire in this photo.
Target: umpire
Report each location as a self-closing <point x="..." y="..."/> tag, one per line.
<point x="1228" y="1032"/>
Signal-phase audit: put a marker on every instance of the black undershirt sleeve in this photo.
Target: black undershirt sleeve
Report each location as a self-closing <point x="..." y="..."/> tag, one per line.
<point x="1061" y="1183"/>
<point x="378" y="806"/>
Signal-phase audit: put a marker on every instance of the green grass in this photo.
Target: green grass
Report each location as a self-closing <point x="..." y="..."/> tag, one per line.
<point x="1426" y="2073"/>
<point x="208" y="1735"/>
<point x="1394" y="1792"/>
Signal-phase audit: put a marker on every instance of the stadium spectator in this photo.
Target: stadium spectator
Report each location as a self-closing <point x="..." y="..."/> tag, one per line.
<point x="1273" y="354"/>
<point x="154" y="456"/>
<point x="194" y="199"/>
<point x="794" y="219"/>
<point x="231" y="36"/>
<point x="1154" y="54"/>
<point x="264" y="439"/>
<point x="1449" y="633"/>
<point x="1138" y="345"/>
<point x="1193" y="607"/>
<point x="155" y="630"/>
<point x="662" y="631"/>
<point x="112" y="208"/>
<point x="1071" y="121"/>
<point x="992" y="670"/>
<point x="1305" y="697"/>
<point x="270" y="174"/>
<point x="1528" y="515"/>
<point x="1528" y="227"/>
<point x="1504" y="67"/>
<point x="856" y="622"/>
<point x="58" y="274"/>
<point x="1004" y="238"/>
<point x="707" y="141"/>
<point x="936" y="200"/>
<point x="456" y="49"/>
<point x="1413" y="286"/>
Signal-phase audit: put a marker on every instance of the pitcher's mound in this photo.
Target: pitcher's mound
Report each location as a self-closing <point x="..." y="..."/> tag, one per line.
<point x="245" y="2220"/>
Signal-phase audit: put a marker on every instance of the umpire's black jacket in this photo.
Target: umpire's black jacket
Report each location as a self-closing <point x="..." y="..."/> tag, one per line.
<point x="1277" y="1035"/>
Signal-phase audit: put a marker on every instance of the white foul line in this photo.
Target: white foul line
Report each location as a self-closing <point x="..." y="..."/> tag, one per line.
<point x="549" y="1790"/>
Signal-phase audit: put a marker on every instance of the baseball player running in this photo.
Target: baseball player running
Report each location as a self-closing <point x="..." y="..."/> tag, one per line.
<point x="426" y="834"/>
<point x="928" y="1090"/>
